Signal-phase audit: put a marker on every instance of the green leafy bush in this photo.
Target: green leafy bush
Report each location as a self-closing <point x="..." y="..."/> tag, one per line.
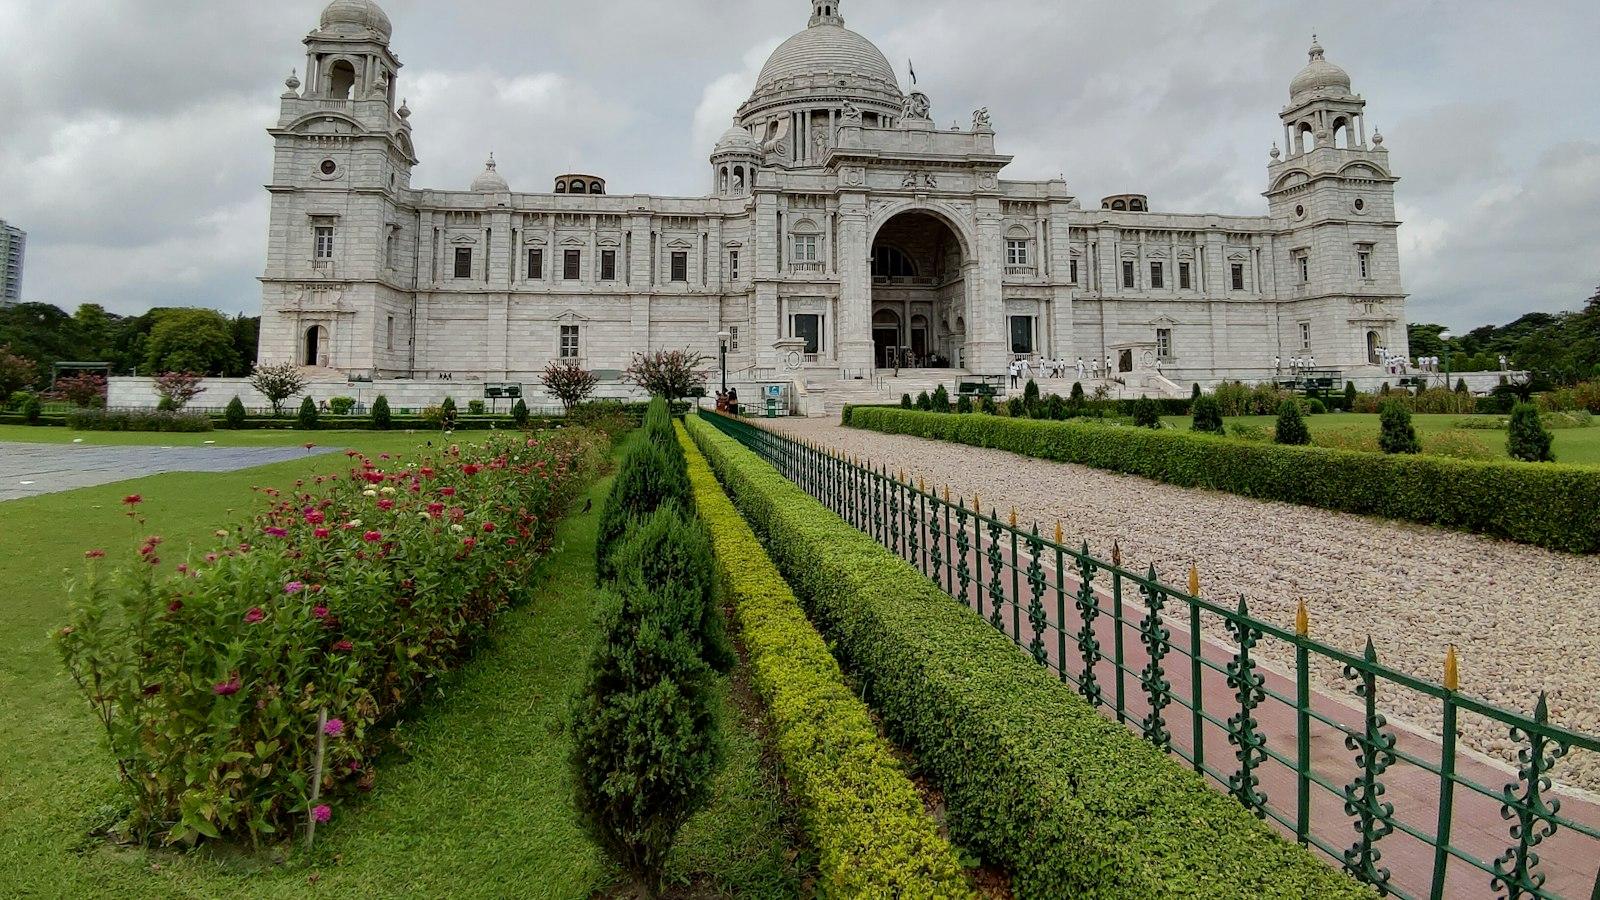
<point x="1291" y="426"/>
<point x="1315" y="407"/>
<point x="940" y="399"/>
<point x="476" y="408"/>
<point x="208" y="680"/>
<point x="234" y="415"/>
<point x="1527" y="438"/>
<point x="1551" y="506"/>
<point x="380" y="413"/>
<point x="1195" y="393"/>
<point x="866" y="820"/>
<point x="1030" y="394"/>
<point x="1076" y="398"/>
<point x="341" y="406"/>
<point x="905" y="401"/>
<point x="32" y="410"/>
<point x="448" y="414"/>
<point x="649" y="476"/>
<point x="138" y="420"/>
<point x="1395" y="433"/>
<point x="1146" y="414"/>
<point x="307" y="418"/>
<point x="1033" y="778"/>
<point x="1207" y="415"/>
<point x="670" y="553"/>
<point x="1017" y="408"/>
<point x="1350" y="393"/>
<point x="166" y="404"/>
<point x="519" y="413"/>
<point x="1055" y="407"/>
<point x="963" y="404"/>
<point x="924" y="402"/>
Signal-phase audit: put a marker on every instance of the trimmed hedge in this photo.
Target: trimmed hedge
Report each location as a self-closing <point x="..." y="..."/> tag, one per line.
<point x="137" y="420"/>
<point x="862" y="814"/>
<point x="1550" y="505"/>
<point x="1070" y="803"/>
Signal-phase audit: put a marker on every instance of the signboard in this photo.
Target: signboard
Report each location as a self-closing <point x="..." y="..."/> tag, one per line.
<point x="502" y="391"/>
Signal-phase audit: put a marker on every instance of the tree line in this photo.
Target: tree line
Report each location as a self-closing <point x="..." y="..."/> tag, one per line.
<point x="165" y="339"/>
<point x="1561" y="348"/>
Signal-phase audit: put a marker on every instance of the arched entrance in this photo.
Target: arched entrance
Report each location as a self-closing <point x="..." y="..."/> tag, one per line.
<point x="1372" y="349"/>
<point x="918" y="291"/>
<point x="316" y="346"/>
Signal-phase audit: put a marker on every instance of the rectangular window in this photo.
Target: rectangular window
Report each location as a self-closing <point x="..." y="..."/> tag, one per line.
<point x="572" y="265"/>
<point x="535" y="265"/>
<point x="805" y="248"/>
<point x="1364" y="263"/>
<point x="733" y="339"/>
<point x="1184" y="281"/>
<point x="1164" y="343"/>
<point x="1158" y="278"/>
<point x="1237" y="270"/>
<point x="1072" y="271"/>
<point x="1016" y="253"/>
<point x="608" y="265"/>
<point x="569" y="342"/>
<point x="680" y="265"/>
<point x="1303" y="263"/>
<point x="1021" y="334"/>
<point x="324" y="242"/>
<point x="463" y="262"/>
<point x="1127" y="273"/>
<point x="809" y="327"/>
<point x="733" y="265"/>
<point x="391" y="333"/>
<point x="388" y="251"/>
<point x="1305" y="335"/>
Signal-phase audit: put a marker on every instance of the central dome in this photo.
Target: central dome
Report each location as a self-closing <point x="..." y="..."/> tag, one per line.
<point x="823" y="49"/>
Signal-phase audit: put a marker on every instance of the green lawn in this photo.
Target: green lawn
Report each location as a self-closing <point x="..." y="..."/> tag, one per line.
<point x="479" y="807"/>
<point x="1571" y="445"/>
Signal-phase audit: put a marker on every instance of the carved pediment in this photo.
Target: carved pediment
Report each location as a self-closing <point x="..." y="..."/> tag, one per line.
<point x="463" y="240"/>
<point x="574" y="242"/>
<point x="569" y="317"/>
<point x="680" y="244"/>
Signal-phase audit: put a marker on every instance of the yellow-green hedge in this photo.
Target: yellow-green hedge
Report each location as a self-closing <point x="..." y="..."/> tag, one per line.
<point x="865" y="819"/>
<point x="1070" y="803"/>
<point x="1551" y="505"/>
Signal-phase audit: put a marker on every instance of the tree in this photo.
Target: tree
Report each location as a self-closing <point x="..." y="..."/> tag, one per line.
<point x="191" y="340"/>
<point x="1195" y="393"/>
<point x="1350" y="396"/>
<point x="16" y="373"/>
<point x="278" y="383"/>
<point x="924" y="402"/>
<point x="963" y="404"/>
<point x="234" y="415"/>
<point x="307" y="419"/>
<point x="178" y="388"/>
<point x="1291" y="425"/>
<point x="1461" y="386"/>
<point x="1527" y="438"/>
<point x="673" y="374"/>
<point x="380" y="413"/>
<point x="32" y="410"/>
<point x="1030" y="394"/>
<point x="940" y="399"/>
<point x="1146" y="413"/>
<point x="1395" y="432"/>
<point x="568" y="382"/>
<point x="519" y="413"/>
<point x="1207" y="414"/>
<point x="81" y="389"/>
<point x="447" y="413"/>
<point x="905" y="401"/>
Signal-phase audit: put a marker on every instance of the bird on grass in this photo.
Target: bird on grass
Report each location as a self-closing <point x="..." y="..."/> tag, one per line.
<point x="588" y="504"/>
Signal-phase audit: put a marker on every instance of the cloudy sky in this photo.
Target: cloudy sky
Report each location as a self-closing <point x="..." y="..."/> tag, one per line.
<point x="133" y="148"/>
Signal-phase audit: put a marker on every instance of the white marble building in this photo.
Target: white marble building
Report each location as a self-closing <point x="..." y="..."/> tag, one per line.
<point x="840" y="223"/>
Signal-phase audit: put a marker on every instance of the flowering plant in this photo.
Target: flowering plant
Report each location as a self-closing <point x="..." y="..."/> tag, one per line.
<point x="346" y="597"/>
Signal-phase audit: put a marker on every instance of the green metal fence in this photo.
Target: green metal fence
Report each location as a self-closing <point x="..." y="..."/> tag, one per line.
<point x="1403" y="810"/>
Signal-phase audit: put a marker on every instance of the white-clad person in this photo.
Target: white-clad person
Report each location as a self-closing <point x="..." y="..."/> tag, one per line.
<point x="1081" y="369"/>
<point x="1108" y="365"/>
<point x="1277" y="365"/>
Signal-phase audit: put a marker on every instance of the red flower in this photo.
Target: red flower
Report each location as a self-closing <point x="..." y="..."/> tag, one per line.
<point x="94" y="554"/>
<point x="447" y="492"/>
<point x="488" y="526"/>
<point x="320" y="612"/>
<point x="469" y="543"/>
<point x="386" y="504"/>
<point x="174" y="606"/>
<point x="426" y="472"/>
<point x="315" y="517"/>
<point x="254" y="615"/>
<point x="343" y="646"/>
<point x="275" y="531"/>
<point x="470" y="469"/>
<point x="435" y="509"/>
<point x="133" y="499"/>
<point x="372" y="537"/>
<point x="321" y="532"/>
<point x="227" y="688"/>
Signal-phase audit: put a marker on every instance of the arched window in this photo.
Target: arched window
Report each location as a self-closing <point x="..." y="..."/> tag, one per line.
<point x="1341" y="134"/>
<point x="892" y="262"/>
<point x="1372" y="348"/>
<point x="579" y="186"/>
<point x="561" y="187"/>
<point x="341" y="80"/>
<point x="1136" y="206"/>
<point x="1119" y="204"/>
<point x="1306" y="138"/>
<point x="315" y="346"/>
<point x="738" y="179"/>
<point x="724" y="181"/>
<point x="596" y="187"/>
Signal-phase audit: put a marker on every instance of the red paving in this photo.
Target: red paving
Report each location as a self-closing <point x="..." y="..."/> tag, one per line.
<point x="1568" y="859"/>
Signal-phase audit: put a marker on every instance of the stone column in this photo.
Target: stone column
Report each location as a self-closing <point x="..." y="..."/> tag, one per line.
<point x="986" y="320"/>
<point x="855" y="288"/>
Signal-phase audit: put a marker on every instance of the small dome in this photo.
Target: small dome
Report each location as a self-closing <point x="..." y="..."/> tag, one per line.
<point x="1319" y="76"/>
<point x="356" y="17"/>
<point x="490" y="182"/>
<point x="737" y="140"/>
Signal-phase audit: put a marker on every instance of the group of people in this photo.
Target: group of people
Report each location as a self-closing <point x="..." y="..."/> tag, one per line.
<point x="728" y="400"/>
<point x="1298" y="365"/>
<point x="1024" y="368"/>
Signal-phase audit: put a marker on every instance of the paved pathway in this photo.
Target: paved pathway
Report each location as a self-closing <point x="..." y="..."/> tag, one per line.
<point x="27" y="470"/>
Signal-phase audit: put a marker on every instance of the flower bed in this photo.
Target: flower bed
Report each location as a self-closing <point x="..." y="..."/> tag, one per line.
<point x="872" y="836"/>
<point x="343" y="600"/>
<point x="1072" y="804"/>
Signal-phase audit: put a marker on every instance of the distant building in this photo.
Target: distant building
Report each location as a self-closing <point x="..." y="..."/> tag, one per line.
<point x="13" y="243"/>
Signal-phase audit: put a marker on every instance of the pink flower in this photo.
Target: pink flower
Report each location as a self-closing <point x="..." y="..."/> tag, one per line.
<point x="321" y="813"/>
<point x="386" y="504"/>
<point x="275" y="531"/>
<point x="334" y="727"/>
<point x="372" y="537"/>
<point x="254" y="615"/>
<point x="174" y="606"/>
<point x="447" y="492"/>
<point x="320" y="612"/>
<point x="315" y="517"/>
<point x="294" y="587"/>
<point x="344" y="646"/>
<point x="226" y="688"/>
<point x="321" y="532"/>
<point x="469" y="543"/>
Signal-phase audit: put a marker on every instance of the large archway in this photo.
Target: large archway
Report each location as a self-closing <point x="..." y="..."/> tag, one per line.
<point x="919" y="292"/>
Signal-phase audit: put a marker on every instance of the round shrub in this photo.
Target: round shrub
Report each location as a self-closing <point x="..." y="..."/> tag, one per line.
<point x="963" y="404"/>
<point x="341" y="406"/>
<point x="1055" y="407"/>
<point x="519" y="413"/>
<point x="474" y="407"/>
<point x="234" y="415"/>
<point x="1527" y="439"/>
<point x="1207" y="415"/>
<point x="1291" y="427"/>
<point x="1017" y="408"/>
<point x="1315" y="406"/>
<point x="1146" y="413"/>
<point x="380" y="413"/>
<point x="905" y="401"/>
<point x="940" y="399"/>
<point x="924" y="402"/>
<point x="447" y="413"/>
<point x="307" y="418"/>
<point x="1395" y="433"/>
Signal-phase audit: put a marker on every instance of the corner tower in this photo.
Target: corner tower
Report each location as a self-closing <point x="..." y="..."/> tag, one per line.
<point x="1331" y="195"/>
<point x="340" y="252"/>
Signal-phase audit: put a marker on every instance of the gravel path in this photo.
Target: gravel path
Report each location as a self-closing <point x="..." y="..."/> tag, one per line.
<point x="1522" y="618"/>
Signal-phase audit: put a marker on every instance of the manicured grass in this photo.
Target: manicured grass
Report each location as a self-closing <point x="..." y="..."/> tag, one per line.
<point x="1579" y="446"/>
<point x="475" y="801"/>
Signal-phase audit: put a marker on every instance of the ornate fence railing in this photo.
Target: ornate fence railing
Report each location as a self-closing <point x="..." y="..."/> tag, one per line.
<point x="1418" y="811"/>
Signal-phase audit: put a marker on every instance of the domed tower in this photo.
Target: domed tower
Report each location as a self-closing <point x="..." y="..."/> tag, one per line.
<point x="490" y="181"/>
<point x="1332" y="193"/>
<point x="811" y="81"/>
<point x="734" y="163"/>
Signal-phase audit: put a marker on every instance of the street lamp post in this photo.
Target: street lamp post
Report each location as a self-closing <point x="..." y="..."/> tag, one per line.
<point x="1444" y="344"/>
<point x="722" y="343"/>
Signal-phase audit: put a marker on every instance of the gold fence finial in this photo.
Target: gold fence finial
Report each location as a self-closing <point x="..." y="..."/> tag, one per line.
<point x="1059" y="536"/>
<point x="922" y="486"/>
<point x="1302" y="620"/>
<point x="977" y="504"/>
<point x="1452" y="670"/>
<point x="1013" y="517"/>
<point x="1194" y="580"/>
<point x="1116" y="553"/>
<point x="947" y="493"/>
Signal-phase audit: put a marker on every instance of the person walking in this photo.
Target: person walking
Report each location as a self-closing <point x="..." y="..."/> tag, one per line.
<point x="1081" y="370"/>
